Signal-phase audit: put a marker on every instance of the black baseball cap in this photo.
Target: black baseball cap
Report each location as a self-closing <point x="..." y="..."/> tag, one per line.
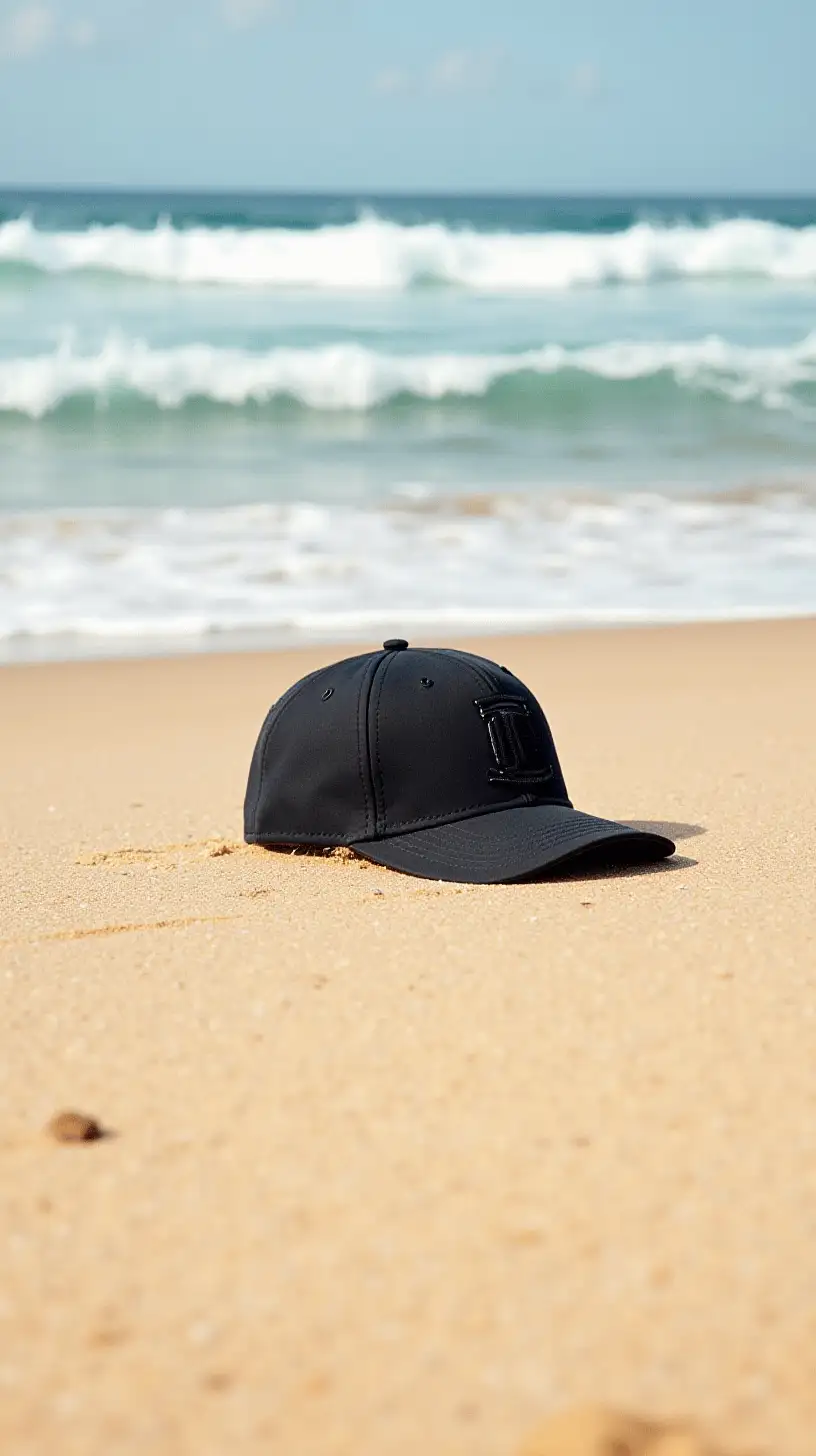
<point x="430" y="761"/>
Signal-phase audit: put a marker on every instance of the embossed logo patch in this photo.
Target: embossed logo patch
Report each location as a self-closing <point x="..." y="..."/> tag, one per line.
<point x="515" y="740"/>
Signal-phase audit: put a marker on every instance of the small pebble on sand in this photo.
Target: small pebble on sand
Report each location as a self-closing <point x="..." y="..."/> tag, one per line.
<point x="74" y="1127"/>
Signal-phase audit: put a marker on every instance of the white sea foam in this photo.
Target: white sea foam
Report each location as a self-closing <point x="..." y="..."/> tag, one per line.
<point x="82" y="580"/>
<point x="353" y="377"/>
<point x="375" y="254"/>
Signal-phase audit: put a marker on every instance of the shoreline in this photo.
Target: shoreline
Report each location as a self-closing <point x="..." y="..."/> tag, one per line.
<point x="47" y="652"/>
<point x="395" y="1165"/>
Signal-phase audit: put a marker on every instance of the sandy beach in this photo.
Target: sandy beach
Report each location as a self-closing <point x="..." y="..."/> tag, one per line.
<point x="398" y="1167"/>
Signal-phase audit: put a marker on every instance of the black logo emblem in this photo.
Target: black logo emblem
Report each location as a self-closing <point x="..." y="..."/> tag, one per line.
<point x="515" y="741"/>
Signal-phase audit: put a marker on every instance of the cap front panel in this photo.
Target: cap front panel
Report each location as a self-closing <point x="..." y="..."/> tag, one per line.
<point x="448" y="739"/>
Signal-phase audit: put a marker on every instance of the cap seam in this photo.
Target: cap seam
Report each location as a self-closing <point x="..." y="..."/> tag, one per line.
<point x="281" y="836"/>
<point x="520" y="802"/>
<point x="465" y="855"/>
<point x="321" y="838"/>
<point x="459" y="813"/>
<point x="366" y="686"/>
<point x="379" y="784"/>
<point x="451" y="652"/>
<point x="377" y="775"/>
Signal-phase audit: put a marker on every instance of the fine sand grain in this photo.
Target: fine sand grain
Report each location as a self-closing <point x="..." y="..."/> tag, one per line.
<point x="398" y="1168"/>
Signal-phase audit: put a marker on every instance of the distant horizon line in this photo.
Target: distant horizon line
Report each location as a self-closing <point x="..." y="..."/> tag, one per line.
<point x="478" y="194"/>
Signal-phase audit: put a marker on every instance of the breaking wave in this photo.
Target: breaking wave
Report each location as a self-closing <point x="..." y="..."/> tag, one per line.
<point x="353" y="377"/>
<point x="375" y="254"/>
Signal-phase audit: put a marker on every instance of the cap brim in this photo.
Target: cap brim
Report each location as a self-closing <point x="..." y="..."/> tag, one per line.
<point x="513" y="844"/>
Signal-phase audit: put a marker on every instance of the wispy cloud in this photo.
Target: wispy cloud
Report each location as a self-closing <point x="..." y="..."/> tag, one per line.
<point x="393" y="81"/>
<point x="466" y="70"/>
<point x="243" y="14"/>
<point x="586" y="82"/>
<point x="27" y="30"/>
<point x="455" y="73"/>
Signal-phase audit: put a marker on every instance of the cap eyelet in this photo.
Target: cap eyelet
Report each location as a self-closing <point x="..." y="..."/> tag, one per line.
<point x="329" y="693"/>
<point x="426" y="682"/>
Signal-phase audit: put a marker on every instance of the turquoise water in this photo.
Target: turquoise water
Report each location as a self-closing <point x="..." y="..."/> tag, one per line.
<point x="287" y="417"/>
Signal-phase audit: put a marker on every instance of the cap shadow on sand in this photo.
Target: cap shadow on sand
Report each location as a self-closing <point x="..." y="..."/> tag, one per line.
<point x="663" y="826"/>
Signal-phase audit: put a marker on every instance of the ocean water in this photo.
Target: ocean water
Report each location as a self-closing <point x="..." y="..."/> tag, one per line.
<point x="229" y="420"/>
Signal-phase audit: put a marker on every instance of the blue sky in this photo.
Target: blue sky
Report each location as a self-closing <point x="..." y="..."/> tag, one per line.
<point x="591" y="95"/>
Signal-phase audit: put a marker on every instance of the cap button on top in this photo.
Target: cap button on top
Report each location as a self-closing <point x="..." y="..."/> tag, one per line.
<point x="395" y="644"/>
